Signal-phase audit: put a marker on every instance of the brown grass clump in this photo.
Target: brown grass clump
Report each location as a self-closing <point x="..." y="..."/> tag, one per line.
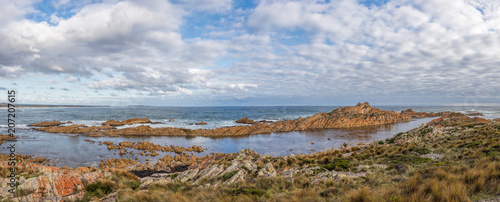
<point x="362" y="194"/>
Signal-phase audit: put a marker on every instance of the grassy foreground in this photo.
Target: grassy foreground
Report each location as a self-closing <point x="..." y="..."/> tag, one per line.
<point x="449" y="159"/>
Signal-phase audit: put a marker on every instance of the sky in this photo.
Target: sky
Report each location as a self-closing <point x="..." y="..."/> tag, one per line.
<point x="250" y="52"/>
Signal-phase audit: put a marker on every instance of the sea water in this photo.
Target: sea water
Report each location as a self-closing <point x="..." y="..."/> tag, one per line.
<point x="70" y="149"/>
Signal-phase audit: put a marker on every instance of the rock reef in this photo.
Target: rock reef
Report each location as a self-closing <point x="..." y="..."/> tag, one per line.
<point x="457" y="119"/>
<point x="245" y="120"/>
<point x="344" y="117"/>
<point x="419" y="115"/>
<point x="474" y="114"/>
<point x="113" y="122"/>
<point x="151" y="147"/>
<point x="6" y="137"/>
<point x="47" y="124"/>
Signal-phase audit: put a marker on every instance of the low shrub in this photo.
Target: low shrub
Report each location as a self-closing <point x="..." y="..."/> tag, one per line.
<point x="228" y="175"/>
<point x="337" y="164"/>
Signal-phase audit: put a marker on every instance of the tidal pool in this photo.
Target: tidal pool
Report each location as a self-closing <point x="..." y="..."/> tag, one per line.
<point x="70" y="150"/>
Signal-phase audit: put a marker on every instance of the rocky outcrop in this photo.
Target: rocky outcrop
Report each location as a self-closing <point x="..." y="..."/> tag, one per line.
<point x="47" y="183"/>
<point x="112" y="122"/>
<point x="419" y="115"/>
<point x="267" y="171"/>
<point x="242" y="166"/>
<point x="201" y="123"/>
<point x="77" y="129"/>
<point x="345" y="117"/>
<point x="6" y="137"/>
<point x="151" y="147"/>
<point x="117" y="163"/>
<point x="474" y="114"/>
<point x="47" y="124"/>
<point x="245" y="120"/>
<point x="457" y="119"/>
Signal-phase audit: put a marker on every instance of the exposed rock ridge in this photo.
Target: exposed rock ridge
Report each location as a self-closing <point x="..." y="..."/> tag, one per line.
<point x="113" y="122"/>
<point x="51" y="183"/>
<point x="344" y="117"/>
<point x="242" y="167"/>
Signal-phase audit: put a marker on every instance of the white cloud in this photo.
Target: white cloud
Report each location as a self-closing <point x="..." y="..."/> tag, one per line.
<point x="398" y="47"/>
<point x="13" y="10"/>
<point x="341" y="48"/>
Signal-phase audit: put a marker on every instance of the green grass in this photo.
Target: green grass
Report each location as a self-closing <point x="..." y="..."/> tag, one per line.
<point x="337" y="164"/>
<point x="98" y="189"/>
<point x="228" y="175"/>
<point x="420" y="150"/>
<point x="409" y="159"/>
<point x="474" y="144"/>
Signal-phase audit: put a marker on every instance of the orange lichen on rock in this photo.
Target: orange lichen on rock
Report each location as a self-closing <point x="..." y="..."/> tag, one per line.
<point x="53" y="182"/>
<point x="47" y="123"/>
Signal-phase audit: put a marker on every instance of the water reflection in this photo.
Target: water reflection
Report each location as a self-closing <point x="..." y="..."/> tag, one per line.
<point x="72" y="151"/>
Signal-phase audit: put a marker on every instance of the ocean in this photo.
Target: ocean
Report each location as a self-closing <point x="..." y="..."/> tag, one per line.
<point x="70" y="149"/>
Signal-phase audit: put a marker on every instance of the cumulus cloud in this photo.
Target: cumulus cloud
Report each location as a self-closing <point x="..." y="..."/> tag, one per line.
<point x="338" y="48"/>
<point x="399" y="47"/>
<point x="139" y="41"/>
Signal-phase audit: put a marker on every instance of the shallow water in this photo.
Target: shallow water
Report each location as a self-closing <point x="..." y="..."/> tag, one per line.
<point x="71" y="150"/>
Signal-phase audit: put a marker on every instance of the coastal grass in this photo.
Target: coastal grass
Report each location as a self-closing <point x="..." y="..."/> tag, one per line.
<point x="459" y="163"/>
